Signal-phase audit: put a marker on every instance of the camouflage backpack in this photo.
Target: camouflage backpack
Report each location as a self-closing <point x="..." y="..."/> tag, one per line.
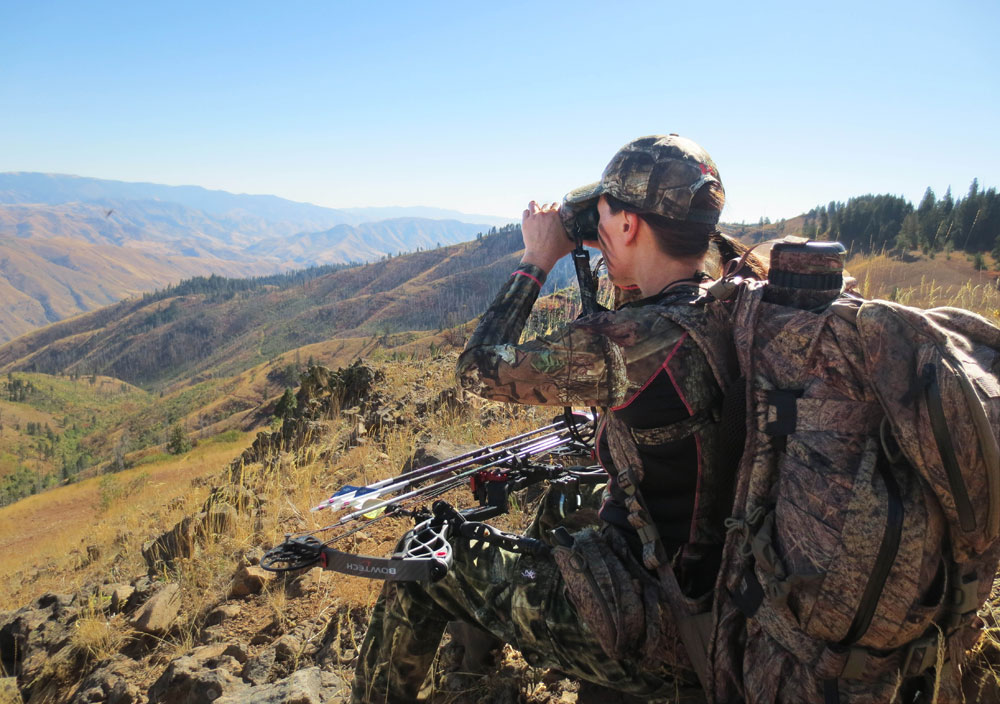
<point x="863" y="538"/>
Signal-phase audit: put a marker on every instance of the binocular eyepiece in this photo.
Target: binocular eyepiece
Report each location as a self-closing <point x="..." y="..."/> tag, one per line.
<point x="580" y="220"/>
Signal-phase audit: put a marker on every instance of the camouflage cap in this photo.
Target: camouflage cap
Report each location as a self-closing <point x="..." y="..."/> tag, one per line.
<point x="658" y="174"/>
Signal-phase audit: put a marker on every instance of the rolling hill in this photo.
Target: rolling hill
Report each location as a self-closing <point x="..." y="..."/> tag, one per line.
<point x="69" y="245"/>
<point x="220" y="327"/>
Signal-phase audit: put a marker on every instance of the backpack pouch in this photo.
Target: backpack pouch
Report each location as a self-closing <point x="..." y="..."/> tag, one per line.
<point x="859" y="540"/>
<point x="935" y="374"/>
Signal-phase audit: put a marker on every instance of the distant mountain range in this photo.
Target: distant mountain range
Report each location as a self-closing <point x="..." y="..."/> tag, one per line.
<point x="69" y="244"/>
<point x="55" y="189"/>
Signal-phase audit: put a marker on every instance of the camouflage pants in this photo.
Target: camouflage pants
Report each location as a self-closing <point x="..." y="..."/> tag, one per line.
<point x="519" y="599"/>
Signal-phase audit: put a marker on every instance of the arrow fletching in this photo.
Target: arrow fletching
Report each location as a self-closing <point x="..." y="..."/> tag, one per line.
<point x="346" y="496"/>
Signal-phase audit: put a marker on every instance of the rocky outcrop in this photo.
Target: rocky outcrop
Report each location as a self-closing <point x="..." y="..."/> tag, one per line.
<point x="33" y="636"/>
<point x="112" y="683"/>
<point x="308" y="686"/>
<point x="38" y="648"/>
<point x="119" y="594"/>
<point x="280" y="674"/>
<point x="324" y="394"/>
<point x="202" y="677"/>
<point x="285" y="639"/>
<point x="218" y="517"/>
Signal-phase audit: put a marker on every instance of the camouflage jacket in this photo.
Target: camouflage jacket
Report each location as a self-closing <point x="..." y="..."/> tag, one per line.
<point x="601" y="360"/>
<point x="614" y="360"/>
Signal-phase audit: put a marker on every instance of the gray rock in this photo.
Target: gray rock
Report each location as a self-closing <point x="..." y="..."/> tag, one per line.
<point x="59" y="603"/>
<point x="159" y="613"/>
<point x="309" y="686"/>
<point x="258" y="669"/>
<point x="179" y="541"/>
<point x="237" y="652"/>
<point x="253" y="555"/>
<point x="187" y="680"/>
<point x="123" y="692"/>
<point x="110" y="684"/>
<point x="213" y="634"/>
<point x="218" y="655"/>
<point x="144" y="588"/>
<point x="30" y="635"/>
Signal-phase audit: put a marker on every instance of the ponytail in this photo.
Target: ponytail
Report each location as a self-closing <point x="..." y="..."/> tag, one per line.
<point x="751" y="266"/>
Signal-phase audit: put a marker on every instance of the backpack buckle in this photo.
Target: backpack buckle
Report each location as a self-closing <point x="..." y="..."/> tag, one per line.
<point x="723" y="289"/>
<point x="966" y="595"/>
<point x="928" y="651"/>
<point x="855" y="664"/>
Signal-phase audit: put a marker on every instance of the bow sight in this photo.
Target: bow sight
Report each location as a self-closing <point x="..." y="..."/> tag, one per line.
<point x="425" y="553"/>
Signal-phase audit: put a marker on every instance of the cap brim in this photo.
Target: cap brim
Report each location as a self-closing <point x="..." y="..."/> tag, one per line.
<point x="584" y="193"/>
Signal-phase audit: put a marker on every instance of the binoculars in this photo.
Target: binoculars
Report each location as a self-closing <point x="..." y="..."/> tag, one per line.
<point x="580" y="220"/>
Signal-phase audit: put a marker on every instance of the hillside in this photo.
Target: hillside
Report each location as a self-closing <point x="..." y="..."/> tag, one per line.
<point x="69" y="245"/>
<point x="44" y="281"/>
<point x="194" y="526"/>
<point x="159" y="595"/>
<point x="58" y="429"/>
<point x="221" y="329"/>
<point x="365" y="242"/>
<point x="105" y="390"/>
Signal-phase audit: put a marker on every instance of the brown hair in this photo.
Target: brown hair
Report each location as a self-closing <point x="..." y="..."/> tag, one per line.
<point x="682" y="239"/>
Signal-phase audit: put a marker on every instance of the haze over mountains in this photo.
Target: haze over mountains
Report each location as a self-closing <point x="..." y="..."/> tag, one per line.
<point x="70" y="244"/>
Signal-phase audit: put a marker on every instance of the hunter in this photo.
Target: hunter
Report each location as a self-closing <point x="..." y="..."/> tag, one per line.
<point x="656" y="210"/>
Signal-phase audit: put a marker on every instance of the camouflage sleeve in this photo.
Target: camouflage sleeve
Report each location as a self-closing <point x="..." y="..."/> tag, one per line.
<point x="598" y="360"/>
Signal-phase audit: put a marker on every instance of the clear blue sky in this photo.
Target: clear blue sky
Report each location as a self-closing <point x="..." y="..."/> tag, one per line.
<point x="483" y="106"/>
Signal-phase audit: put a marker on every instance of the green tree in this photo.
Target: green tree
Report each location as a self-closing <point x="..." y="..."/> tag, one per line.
<point x="286" y="404"/>
<point x="927" y="216"/>
<point x="177" y="440"/>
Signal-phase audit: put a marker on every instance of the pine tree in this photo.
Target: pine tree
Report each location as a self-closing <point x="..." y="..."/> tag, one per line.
<point x="177" y="442"/>
<point x="286" y="404"/>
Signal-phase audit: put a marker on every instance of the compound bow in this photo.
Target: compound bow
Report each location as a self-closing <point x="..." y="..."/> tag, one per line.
<point x="425" y="553"/>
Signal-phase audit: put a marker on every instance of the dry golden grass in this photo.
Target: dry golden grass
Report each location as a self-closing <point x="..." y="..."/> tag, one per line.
<point x="97" y="636"/>
<point x="928" y="283"/>
<point x="44" y="538"/>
